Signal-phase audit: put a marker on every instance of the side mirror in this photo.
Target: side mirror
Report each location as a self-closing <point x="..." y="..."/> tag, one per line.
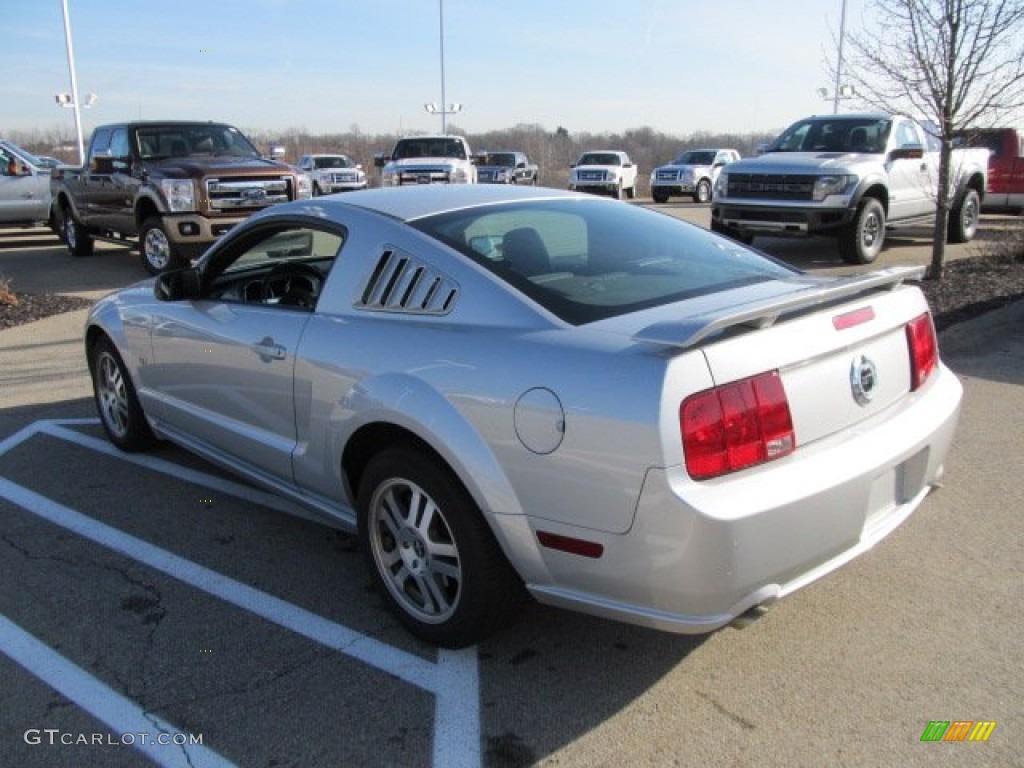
<point x="103" y="164"/>
<point x="380" y="160"/>
<point x="177" y="285"/>
<point x="907" y="153"/>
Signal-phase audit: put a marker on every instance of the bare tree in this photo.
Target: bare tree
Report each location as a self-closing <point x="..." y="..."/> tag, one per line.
<point x="958" y="64"/>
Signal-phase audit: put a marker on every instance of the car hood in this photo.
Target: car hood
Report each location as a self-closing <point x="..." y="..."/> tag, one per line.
<point x="417" y="162"/>
<point x="195" y="167"/>
<point x="681" y="167"/>
<point x="803" y="162"/>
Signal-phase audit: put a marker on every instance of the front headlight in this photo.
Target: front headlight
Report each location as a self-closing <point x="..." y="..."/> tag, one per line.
<point x="180" y="194"/>
<point x="611" y="175"/>
<point x="686" y="174"/>
<point x="305" y="187"/>
<point x="722" y="185"/>
<point x="458" y="175"/>
<point x="388" y="178"/>
<point x="837" y="184"/>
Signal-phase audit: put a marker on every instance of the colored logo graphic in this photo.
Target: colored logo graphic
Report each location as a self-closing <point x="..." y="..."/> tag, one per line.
<point x="958" y="730"/>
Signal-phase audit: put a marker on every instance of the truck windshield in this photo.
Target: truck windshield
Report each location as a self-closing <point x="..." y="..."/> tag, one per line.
<point x="600" y="158"/>
<point x="695" y="157"/>
<point x="429" y="147"/>
<point x="503" y="159"/>
<point x="842" y="134"/>
<point x="182" y="140"/>
<point x="332" y="161"/>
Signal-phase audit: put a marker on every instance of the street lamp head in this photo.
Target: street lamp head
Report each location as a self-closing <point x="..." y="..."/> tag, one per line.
<point x="64" y="99"/>
<point x="823" y="93"/>
<point x="90" y="100"/>
<point x="431" y="108"/>
<point x="453" y="108"/>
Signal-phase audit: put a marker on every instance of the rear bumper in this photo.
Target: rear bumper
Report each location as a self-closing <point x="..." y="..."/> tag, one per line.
<point x="701" y="554"/>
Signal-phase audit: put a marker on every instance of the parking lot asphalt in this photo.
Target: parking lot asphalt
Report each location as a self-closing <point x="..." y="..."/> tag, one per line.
<point x="149" y="594"/>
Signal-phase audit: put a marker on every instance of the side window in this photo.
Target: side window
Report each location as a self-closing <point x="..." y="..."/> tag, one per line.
<point x="906" y="135"/>
<point x="119" y="148"/>
<point x="100" y="145"/>
<point x="283" y="265"/>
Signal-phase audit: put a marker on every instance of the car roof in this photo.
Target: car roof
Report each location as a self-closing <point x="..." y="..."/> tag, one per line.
<point x="416" y="202"/>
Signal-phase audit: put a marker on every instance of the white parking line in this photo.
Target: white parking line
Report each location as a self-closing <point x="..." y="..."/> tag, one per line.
<point x="122" y="715"/>
<point x="454" y="679"/>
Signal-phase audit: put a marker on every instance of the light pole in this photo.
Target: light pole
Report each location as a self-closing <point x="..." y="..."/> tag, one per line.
<point x="445" y="109"/>
<point x="839" y="61"/>
<point x="73" y="96"/>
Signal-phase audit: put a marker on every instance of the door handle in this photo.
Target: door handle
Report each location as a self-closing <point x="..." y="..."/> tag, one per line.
<point x="268" y="350"/>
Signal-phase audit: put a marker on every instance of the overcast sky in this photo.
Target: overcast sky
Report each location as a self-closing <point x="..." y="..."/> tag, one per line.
<point x="678" y="66"/>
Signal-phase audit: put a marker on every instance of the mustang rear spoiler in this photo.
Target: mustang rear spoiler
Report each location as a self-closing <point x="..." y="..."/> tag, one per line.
<point x="688" y="331"/>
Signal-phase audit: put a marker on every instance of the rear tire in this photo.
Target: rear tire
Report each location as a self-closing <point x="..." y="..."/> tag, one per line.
<point x="963" y="218"/>
<point x="431" y="552"/>
<point x="75" y="236"/>
<point x="158" y="252"/>
<point x="862" y="239"/>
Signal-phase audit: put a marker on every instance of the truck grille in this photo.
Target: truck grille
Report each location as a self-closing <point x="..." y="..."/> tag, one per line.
<point x="424" y="176"/>
<point x="771" y="186"/>
<point x="590" y="175"/>
<point x="343" y="178"/>
<point x="667" y="175"/>
<point x="237" y="194"/>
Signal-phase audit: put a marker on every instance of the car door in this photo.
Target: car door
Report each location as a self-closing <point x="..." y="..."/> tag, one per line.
<point x="223" y="365"/>
<point x="910" y="178"/>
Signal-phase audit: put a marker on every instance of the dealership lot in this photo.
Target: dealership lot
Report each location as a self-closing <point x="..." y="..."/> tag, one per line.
<point x="152" y="592"/>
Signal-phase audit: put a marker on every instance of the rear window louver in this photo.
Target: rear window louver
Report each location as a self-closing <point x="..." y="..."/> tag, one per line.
<point x="402" y="283"/>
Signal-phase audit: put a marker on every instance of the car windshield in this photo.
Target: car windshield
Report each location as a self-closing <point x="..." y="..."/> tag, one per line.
<point x="841" y="134"/>
<point x="429" y="147"/>
<point x="588" y="260"/>
<point x="163" y="141"/>
<point x="503" y="159"/>
<point x="332" y="161"/>
<point x="695" y="157"/>
<point x="600" y="158"/>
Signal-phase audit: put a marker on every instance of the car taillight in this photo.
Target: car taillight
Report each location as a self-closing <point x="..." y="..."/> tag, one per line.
<point x="924" y="349"/>
<point x="735" y="426"/>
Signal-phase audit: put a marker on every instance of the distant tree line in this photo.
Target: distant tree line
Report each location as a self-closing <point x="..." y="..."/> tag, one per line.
<point x="553" y="150"/>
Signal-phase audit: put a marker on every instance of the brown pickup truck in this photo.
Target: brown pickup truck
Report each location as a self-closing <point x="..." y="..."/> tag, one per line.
<point x="174" y="186"/>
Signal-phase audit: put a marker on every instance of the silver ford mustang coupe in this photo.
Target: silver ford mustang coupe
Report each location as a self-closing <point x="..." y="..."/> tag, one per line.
<point x="510" y="391"/>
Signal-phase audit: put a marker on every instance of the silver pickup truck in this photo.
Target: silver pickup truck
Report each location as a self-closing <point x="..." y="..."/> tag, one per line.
<point x="848" y="176"/>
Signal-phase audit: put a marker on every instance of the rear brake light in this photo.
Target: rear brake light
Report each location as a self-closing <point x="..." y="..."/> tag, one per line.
<point x="735" y="426"/>
<point x="924" y="349"/>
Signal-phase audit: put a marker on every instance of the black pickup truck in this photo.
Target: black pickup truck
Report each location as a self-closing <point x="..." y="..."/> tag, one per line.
<point x="174" y="186"/>
<point x="506" y="168"/>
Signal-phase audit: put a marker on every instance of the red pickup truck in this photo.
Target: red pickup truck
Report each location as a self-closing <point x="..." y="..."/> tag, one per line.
<point x="1005" y="166"/>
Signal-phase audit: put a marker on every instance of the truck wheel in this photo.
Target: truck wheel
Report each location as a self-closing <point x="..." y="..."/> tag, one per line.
<point x="659" y="196"/>
<point x="430" y="551"/>
<point x="316" y="190"/>
<point x="158" y="253"/>
<point x="963" y="218"/>
<point x="631" y="192"/>
<point x="75" y="235"/>
<point x="617" y="192"/>
<point x="703" y="192"/>
<point x="861" y="240"/>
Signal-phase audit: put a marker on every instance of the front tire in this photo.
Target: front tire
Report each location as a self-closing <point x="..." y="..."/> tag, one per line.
<point x="317" y="192"/>
<point x="861" y="240"/>
<point x="430" y="550"/>
<point x="702" y="194"/>
<point x="76" y="237"/>
<point x="631" y="192"/>
<point x="158" y="252"/>
<point x="119" y="408"/>
<point x="963" y="218"/>
<point x="659" y="196"/>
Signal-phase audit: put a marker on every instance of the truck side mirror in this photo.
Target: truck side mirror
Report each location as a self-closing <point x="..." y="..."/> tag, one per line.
<point x="380" y="160"/>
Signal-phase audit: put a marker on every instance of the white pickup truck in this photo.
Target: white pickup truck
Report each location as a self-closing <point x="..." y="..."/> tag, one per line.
<point x="605" y="171"/>
<point x="848" y="176"/>
<point x="427" y="160"/>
